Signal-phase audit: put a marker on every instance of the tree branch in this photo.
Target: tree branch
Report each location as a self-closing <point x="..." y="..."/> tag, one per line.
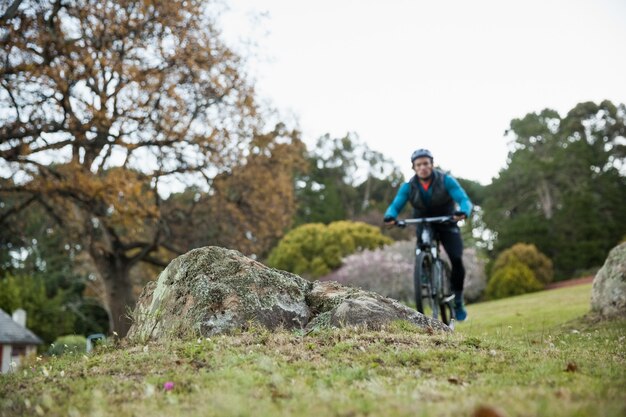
<point x="51" y="212"/>
<point x="154" y="261"/>
<point x="172" y="248"/>
<point x="17" y="209"/>
<point x="11" y="11"/>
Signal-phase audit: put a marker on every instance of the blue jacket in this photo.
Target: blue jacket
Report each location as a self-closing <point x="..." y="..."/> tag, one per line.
<point x="452" y="186"/>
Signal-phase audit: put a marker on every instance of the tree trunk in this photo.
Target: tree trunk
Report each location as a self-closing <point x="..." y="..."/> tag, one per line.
<point x="546" y="199"/>
<point x="366" y="197"/>
<point x="119" y="295"/>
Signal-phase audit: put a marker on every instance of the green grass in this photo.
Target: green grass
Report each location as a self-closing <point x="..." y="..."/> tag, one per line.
<point x="527" y="314"/>
<point x="534" y="355"/>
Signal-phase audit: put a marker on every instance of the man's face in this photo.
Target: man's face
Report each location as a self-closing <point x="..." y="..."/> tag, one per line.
<point x="423" y="167"/>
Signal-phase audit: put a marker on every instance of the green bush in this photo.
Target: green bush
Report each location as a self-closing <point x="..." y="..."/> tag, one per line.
<point x="514" y="278"/>
<point x="529" y="255"/>
<point x="316" y="249"/>
<point x="70" y="344"/>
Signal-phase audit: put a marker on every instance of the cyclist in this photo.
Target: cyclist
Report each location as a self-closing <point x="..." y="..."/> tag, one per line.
<point x="432" y="192"/>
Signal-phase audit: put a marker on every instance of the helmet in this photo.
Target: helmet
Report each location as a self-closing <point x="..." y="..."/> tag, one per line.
<point x="420" y="153"/>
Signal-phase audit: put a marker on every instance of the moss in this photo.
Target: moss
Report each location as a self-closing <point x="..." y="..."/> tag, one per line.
<point x="328" y="295"/>
<point x="320" y="322"/>
<point x="211" y="290"/>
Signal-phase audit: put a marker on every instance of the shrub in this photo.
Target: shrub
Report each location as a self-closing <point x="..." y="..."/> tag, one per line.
<point x="513" y="279"/>
<point x="70" y="344"/>
<point x="529" y="255"/>
<point x="387" y="271"/>
<point x="316" y="249"/>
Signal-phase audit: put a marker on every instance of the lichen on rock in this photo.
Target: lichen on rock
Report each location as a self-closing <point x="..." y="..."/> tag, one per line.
<point x="215" y="290"/>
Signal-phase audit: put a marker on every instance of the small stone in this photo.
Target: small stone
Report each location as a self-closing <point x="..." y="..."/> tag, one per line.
<point x="149" y="390"/>
<point x="487" y="411"/>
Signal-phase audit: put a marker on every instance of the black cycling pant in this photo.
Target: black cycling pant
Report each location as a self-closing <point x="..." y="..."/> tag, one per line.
<point x="450" y="237"/>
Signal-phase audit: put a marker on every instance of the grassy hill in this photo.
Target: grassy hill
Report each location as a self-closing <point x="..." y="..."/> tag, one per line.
<point x="533" y="355"/>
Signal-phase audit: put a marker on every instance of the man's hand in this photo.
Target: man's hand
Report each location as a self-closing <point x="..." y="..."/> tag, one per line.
<point x="458" y="216"/>
<point x="389" y="221"/>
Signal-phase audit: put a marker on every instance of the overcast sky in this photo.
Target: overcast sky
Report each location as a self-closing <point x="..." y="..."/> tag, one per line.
<point x="445" y="75"/>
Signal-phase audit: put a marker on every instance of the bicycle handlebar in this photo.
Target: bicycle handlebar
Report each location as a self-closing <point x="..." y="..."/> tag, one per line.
<point x="439" y="219"/>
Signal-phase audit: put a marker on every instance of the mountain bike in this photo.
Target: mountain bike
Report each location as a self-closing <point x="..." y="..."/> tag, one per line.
<point x="431" y="276"/>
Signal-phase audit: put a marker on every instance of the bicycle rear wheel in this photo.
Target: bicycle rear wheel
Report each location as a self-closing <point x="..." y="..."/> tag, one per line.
<point x="421" y="274"/>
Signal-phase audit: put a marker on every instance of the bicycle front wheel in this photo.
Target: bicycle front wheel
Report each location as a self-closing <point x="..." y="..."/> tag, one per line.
<point x="421" y="276"/>
<point x="447" y="313"/>
<point x="445" y="307"/>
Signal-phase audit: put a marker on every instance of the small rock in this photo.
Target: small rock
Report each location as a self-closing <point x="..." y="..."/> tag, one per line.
<point x="455" y="380"/>
<point x="487" y="411"/>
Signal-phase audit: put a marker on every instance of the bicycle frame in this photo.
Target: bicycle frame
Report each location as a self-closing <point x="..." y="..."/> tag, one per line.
<point x="429" y="265"/>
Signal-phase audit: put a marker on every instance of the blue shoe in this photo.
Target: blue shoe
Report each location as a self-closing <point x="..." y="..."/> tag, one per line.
<point x="460" y="312"/>
<point x="459" y="307"/>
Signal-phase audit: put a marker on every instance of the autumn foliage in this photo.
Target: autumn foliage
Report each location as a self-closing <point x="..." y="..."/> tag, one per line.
<point x="108" y="105"/>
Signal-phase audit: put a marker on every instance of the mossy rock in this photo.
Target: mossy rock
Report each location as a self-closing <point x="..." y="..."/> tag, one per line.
<point x="608" y="294"/>
<point x="213" y="290"/>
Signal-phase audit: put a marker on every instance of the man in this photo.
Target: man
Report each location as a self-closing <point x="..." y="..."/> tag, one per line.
<point x="432" y="192"/>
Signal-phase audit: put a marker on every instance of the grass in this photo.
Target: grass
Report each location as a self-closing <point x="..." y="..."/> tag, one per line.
<point x="527" y="314"/>
<point x="534" y="355"/>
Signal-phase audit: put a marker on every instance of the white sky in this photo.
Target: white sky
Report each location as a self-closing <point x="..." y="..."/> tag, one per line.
<point x="445" y="75"/>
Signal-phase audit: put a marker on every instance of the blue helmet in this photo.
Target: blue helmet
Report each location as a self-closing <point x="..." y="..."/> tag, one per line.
<point x="420" y="153"/>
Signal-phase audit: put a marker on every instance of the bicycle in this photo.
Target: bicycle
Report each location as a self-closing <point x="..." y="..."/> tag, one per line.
<point x="431" y="276"/>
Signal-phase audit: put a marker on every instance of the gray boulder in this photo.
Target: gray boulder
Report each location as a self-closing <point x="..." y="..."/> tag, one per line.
<point x="213" y="290"/>
<point x="608" y="294"/>
<point x="475" y="277"/>
<point x="340" y="306"/>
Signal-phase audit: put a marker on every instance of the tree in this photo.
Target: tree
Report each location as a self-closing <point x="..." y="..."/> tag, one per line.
<point x="475" y="190"/>
<point x="563" y="184"/>
<point x="345" y="179"/>
<point x="107" y="102"/>
<point x="248" y="208"/>
<point x="35" y="248"/>
<point x="47" y="316"/>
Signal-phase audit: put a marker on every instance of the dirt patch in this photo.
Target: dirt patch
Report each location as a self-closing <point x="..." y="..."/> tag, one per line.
<point x="570" y="282"/>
